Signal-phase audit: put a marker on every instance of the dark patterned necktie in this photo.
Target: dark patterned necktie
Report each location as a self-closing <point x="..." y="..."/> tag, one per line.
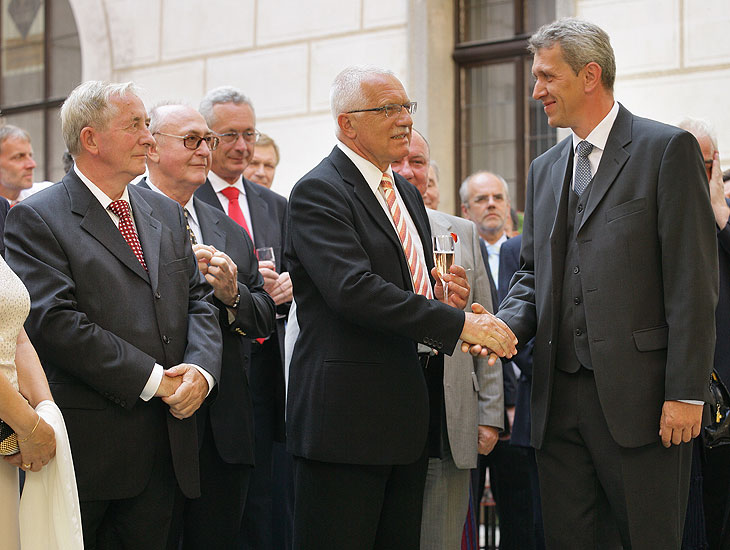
<point x="126" y="227"/>
<point x="193" y="240"/>
<point x="582" y="167"/>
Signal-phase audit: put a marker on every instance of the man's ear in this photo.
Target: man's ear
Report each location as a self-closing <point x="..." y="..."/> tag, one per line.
<point x="344" y="121"/>
<point x="153" y="154"/>
<point x="592" y="74"/>
<point x="87" y="137"/>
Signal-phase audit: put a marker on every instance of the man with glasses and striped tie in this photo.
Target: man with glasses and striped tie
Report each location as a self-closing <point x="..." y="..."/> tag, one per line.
<point x="359" y="253"/>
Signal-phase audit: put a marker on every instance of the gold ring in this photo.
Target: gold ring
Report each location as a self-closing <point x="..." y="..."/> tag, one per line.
<point x="27" y="466"/>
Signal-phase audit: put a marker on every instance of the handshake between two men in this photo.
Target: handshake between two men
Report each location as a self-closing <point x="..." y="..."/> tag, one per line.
<point x="483" y="333"/>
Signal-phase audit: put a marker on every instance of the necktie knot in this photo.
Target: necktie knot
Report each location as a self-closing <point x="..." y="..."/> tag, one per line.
<point x="584" y="149"/>
<point x="231" y="193"/>
<point x="386" y="182"/>
<point x="120" y="207"/>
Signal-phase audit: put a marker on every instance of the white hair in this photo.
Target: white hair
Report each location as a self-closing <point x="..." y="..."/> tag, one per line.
<point x="346" y="92"/>
<point x="700" y="128"/>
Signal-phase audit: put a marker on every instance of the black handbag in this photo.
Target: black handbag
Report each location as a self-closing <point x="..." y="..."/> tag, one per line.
<point x="718" y="432"/>
<point x="8" y="440"/>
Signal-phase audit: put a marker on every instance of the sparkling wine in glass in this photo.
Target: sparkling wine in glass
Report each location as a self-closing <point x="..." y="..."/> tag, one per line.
<point x="443" y="257"/>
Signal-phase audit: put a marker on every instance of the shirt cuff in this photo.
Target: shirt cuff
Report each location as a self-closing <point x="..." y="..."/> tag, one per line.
<point x="207" y="376"/>
<point x="691" y="401"/>
<point x="153" y="383"/>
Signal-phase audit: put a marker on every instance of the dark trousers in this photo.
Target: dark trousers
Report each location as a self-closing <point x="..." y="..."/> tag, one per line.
<point x="214" y="519"/>
<point x="353" y="507"/>
<point x="282" y="471"/>
<point x="509" y="480"/>
<point x="257" y="525"/>
<point x="142" y="521"/>
<point x="716" y="489"/>
<point x="596" y="494"/>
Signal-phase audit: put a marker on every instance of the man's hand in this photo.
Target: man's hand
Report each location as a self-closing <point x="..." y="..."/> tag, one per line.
<point x="717" y="194"/>
<point x="457" y="286"/>
<point x="680" y="422"/>
<point x="222" y="276"/>
<point x="282" y="291"/>
<point x="488" y="437"/>
<point x="168" y="386"/>
<point x="203" y="253"/>
<point x="487" y="335"/>
<point x="189" y="394"/>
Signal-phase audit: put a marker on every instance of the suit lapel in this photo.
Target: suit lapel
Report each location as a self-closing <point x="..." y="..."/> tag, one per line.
<point x="260" y="218"/>
<point x="149" y="231"/>
<point x="206" y="193"/>
<point x="613" y="159"/>
<point x="352" y="176"/>
<point x="97" y="223"/>
<point x="212" y="234"/>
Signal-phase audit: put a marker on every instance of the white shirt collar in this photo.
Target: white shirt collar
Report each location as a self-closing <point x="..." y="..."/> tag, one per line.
<point x="599" y="135"/>
<point x="189" y="206"/>
<point x="219" y="183"/>
<point x="102" y="197"/>
<point x="372" y="174"/>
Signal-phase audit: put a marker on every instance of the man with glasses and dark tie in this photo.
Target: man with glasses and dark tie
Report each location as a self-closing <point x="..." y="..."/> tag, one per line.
<point x="178" y="164"/>
<point x="129" y="344"/>
<point x="260" y="211"/>
<point x="359" y="251"/>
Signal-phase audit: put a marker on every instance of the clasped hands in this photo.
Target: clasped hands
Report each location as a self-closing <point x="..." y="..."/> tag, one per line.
<point x="183" y="388"/>
<point x="484" y="334"/>
<point x="219" y="270"/>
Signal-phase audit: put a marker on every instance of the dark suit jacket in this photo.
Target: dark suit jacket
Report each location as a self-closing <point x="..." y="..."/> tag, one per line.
<point x="268" y="214"/>
<point x="648" y="266"/>
<point x="99" y="323"/>
<point x="357" y="393"/>
<point x="722" y="313"/>
<point x="231" y="412"/>
<point x="4" y="207"/>
<point x="509" y="263"/>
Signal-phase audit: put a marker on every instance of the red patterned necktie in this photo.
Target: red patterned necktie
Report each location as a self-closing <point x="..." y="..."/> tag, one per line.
<point x="234" y="207"/>
<point x="421" y="282"/>
<point x="126" y="227"/>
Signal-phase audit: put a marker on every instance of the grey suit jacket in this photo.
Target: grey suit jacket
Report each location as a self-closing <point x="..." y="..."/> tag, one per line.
<point x="648" y="265"/>
<point x="472" y="389"/>
<point x="100" y="322"/>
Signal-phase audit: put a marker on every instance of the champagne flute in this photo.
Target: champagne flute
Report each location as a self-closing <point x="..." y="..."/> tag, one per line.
<point x="266" y="254"/>
<point x="443" y="257"/>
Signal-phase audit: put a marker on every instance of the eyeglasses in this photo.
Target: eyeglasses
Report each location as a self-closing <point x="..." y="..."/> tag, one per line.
<point x="249" y="136"/>
<point x="392" y="109"/>
<point x="193" y="142"/>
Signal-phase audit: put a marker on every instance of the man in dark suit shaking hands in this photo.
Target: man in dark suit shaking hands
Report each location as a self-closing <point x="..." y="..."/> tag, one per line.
<point x="618" y="285"/>
<point x="359" y="254"/>
<point x="128" y="342"/>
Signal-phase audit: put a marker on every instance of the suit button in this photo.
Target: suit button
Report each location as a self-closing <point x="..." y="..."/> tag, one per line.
<point x="576" y="300"/>
<point x="576" y="270"/>
<point x="158" y="295"/>
<point x="123" y="403"/>
<point x="166" y="339"/>
<point x="116" y="400"/>
<point x="580" y="208"/>
<point x="578" y="332"/>
<point x="550" y="342"/>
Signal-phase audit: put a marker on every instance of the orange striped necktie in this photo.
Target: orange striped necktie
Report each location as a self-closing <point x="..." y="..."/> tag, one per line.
<point x="421" y="283"/>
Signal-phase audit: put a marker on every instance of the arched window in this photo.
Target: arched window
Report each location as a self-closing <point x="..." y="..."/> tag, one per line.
<point x="40" y="63"/>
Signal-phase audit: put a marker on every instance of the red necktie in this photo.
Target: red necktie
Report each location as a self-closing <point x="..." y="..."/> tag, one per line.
<point x="421" y="284"/>
<point x="234" y="207"/>
<point x="236" y="214"/>
<point x="126" y="227"/>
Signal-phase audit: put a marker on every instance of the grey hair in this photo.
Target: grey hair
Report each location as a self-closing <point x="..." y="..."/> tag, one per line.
<point x="437" y="170"/>
<point x="346" y="91"/>
<point x="464" y="187"/>
<point x="90" y="105"/>
<point x="581" y="42"/>
<point x="8" y="131"/>
<point x="700" y="128"/>
<point x="220" y="95"/>
<point x="157" y="119"/>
